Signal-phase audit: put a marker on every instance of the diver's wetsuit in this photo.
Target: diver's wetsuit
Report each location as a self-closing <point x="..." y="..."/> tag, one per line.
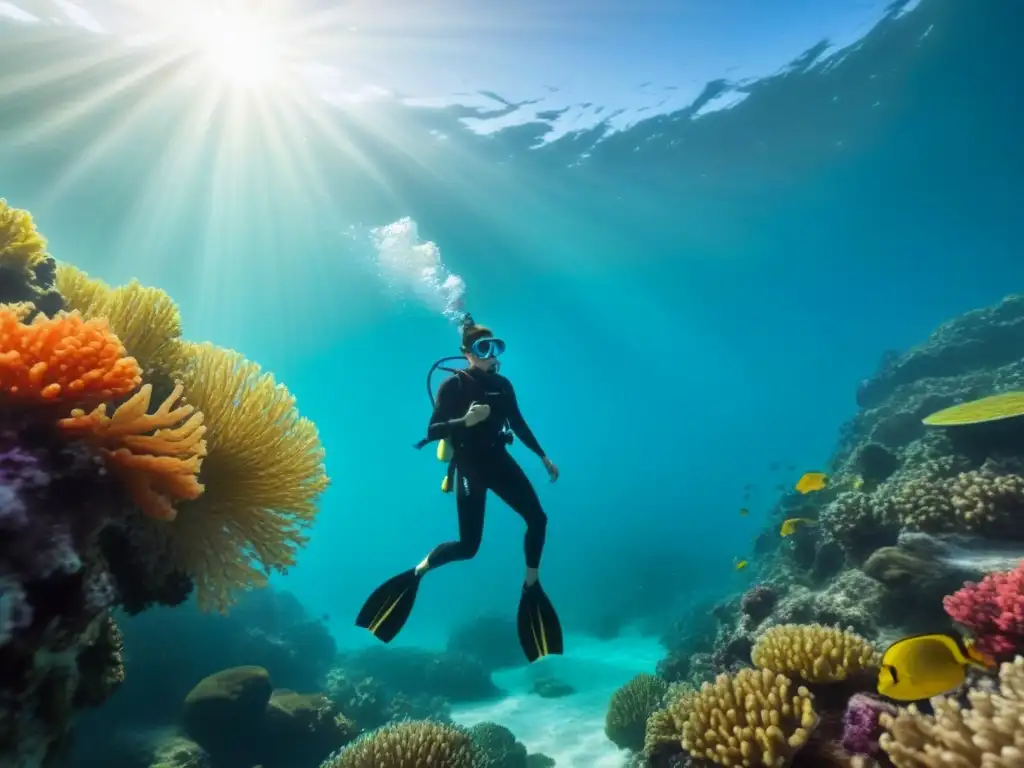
<point x="483" y="463"/>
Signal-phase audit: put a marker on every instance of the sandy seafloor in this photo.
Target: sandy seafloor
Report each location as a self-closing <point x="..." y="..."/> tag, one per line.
<point x="571" y="728"/>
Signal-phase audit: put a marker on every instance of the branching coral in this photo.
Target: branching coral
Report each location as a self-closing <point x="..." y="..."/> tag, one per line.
<point x="263" y="473"/>
<point x="815" y="653"/>
<point x="992" y="610"/>
<point x="753" y="718"/>
<point x="412" y="744"/>
<point x="989" y="732"/>
<point x="629" y="708"/>
<point x="157" y="455"/>
<point x="65" y="358"/>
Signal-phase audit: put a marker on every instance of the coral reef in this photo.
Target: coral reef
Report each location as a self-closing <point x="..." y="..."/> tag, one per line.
<point x="129" y="509"/>
<point x="925" y="493"/>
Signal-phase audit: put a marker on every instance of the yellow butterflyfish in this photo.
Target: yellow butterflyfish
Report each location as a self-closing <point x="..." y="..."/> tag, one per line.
<point x="812" y="481"/>
<point x="790" y="525"/>
<point x="740" y="564"/>
<point x="921" y="666"/>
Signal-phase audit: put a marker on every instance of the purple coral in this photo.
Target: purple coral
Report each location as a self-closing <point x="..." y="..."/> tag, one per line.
<point x="861" y="728"/>
<point x="758" y="602"/>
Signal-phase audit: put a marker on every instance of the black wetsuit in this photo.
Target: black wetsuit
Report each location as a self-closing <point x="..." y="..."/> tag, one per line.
<point x="483" y="463"/>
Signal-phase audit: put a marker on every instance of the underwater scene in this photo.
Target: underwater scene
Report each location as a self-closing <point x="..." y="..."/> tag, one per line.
<point x="479" y="385"/>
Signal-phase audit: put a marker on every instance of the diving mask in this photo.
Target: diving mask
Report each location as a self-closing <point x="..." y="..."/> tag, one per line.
<point x="488" y="347"/>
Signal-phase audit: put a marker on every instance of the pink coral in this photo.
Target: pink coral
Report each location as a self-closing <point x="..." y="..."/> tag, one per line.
<point x="993" y="611"/>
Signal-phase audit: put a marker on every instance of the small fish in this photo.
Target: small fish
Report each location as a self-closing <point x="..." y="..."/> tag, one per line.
<point x="921" y="666"/>
<point x="774" y="466"/>
<point x="857" y="482"/>
<point x="744" y="512"/>
<point x="790" y="525"/>
<point x="740" y="564"/>
<point x="812" y="481"/>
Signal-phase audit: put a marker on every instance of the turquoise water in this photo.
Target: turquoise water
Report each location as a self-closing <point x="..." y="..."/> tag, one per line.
<point x="686" y="299"/>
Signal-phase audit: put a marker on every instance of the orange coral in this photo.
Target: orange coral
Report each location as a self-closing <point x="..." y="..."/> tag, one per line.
<point x="157" y="455"/>
<point x="62" y="358"/>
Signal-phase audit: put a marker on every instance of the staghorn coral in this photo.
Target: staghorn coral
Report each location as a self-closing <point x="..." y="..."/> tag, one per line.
<point x="629" y="708"/>
<point x="64" y="358"/>
<point x="987" y="733"/>
<point x="815" y="653"/>
<point x="263" y="473"/>
<point x="992" y="610"/>
<point x="157" y="455"/>
<point x="412" y="744"/>
<point x="753" y="718"/>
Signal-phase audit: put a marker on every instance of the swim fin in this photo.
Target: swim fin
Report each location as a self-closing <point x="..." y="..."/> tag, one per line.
<point x="388" y="608"/>
<point x="540" y="632"/>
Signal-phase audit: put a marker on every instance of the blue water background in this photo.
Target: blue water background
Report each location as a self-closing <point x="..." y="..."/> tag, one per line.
<point x="689" y="302"/>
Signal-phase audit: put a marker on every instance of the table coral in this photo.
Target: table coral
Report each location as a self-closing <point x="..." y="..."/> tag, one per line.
<point x="992" y="610"/>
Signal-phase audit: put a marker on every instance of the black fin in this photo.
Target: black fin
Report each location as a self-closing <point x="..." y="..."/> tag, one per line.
<point x="540" y="631"/>
<point x="388" y="608"/>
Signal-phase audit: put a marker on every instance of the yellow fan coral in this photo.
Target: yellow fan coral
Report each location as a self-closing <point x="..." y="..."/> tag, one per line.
<point x="82" y="293"/>
<point x="22" y="248"/>
<point x="1007" y="405"/>
<point x="263" y="474"/>
<point x="753" y="718"/>
<point x="145" y="319"/>
<point x="815" y="653"/>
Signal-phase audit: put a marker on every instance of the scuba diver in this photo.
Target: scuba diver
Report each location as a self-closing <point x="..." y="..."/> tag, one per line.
<point x="475" y="416"/>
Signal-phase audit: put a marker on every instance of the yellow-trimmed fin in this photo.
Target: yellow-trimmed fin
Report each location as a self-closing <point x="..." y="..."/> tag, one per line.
<point x="444" y="451"/>
<point x="385" y="611"/>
